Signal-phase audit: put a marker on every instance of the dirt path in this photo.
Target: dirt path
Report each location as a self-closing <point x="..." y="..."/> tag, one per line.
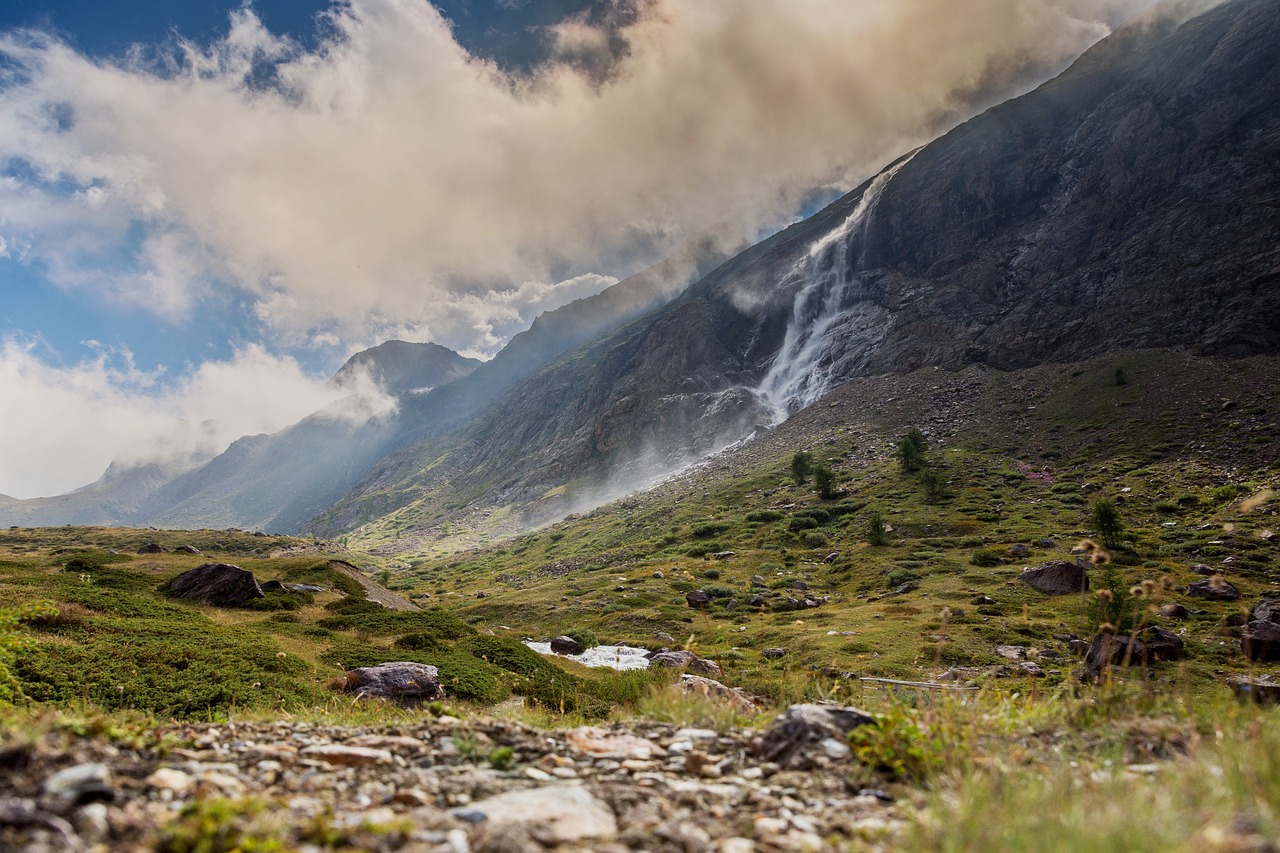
<point x="373" y="591"/>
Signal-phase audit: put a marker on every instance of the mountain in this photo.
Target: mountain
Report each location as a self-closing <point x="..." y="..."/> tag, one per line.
<point x="114" y="496"/>
<point x="1131" y="202"/>
<point x="279" y="482"/>
<point x="400" y="367"/>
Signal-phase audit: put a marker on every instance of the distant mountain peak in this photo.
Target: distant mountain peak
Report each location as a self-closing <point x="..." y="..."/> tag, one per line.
<point x="402" y="367"/>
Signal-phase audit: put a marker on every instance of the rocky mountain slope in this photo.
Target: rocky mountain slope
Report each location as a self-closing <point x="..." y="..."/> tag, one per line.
<point x="1130" y="202"/>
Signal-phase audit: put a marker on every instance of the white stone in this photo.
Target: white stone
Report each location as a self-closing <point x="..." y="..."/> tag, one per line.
<point x="169" y="779"/>
<point x="570" y="812"/>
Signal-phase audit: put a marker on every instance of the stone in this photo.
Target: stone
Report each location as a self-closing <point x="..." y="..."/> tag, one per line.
<point x="697" y="685"/>
<point x="1019" y="551"/>
<point x="697" y="598"/>
<point x="566" y="646"/>
<point x="799" y="585"/>
<point x="1148" y="646"/>
<point x="1059" y="577"/>
<point x="679" y="659"/>
<point x="272" y="586"/>
<point x="1215" y="589"/>
<point x="186" y="549"/>
<point x="1174" y="611"/>
<point x="702" y="666"/>
<point x="347" y="756"/>
<point x="1264" y="690"/>
<point x="1162" y="644"/>
<point x="1012" y="652"/>
<point x="724" y="555"/>
<point x="153" y="548"/>
<point x="77" y="786"/>
<point x="659" y="575"/>
<point x="756" y="601"/>
<point x="567" y="813"/>
<point x="979" y="600"/>
<point x="832" y="557"/>
<point x="403" y="682"/>
<point x="664" y="637"/>
<point x="794" y="740"/>
<point x="1267" y="610"/>
<point x="758" y="581"/>
<point x="1031" y="668"/>
<point x="599" y="742"/>
<point x="1261" y="640"/>
<point x="217" y="584"/>
<point x="773" y="654"/>
<point x="171" y="779"/>
<point x="1202" y="569"/>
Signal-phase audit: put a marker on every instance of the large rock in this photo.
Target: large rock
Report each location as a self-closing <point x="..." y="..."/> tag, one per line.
<point x="1267" y="610"/>
<point x="1261" y="640"/>
<point x="1148" y="646"/>
<point x="797" y="739"/>
<point x="699" y="686"/>
<point x="566" y="646"/>
<point x="1060" y="577"/>
<point x="566" y="814"/>
<point x="153" y="548"/>
<point x="1214" y="589"/>
<point x="402" y="682"/>
<point x="697" y="598"/>
<point x="219" y="584"/>
<point x="1263" y="689"/>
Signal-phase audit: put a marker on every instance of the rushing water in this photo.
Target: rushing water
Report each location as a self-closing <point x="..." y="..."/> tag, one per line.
<point x="827" y="273"/>
<point x="617" y="657"/>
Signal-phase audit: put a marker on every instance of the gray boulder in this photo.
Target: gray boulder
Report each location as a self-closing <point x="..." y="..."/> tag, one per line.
<point x="796" y="739"/>
<point x="218" y="584"/>
<point x="697" y="598"/>
<point x="1267" y="610"/>
<point x="1214" y="589"/>
<point x="402" y="682"/>
<point x="153" y="548"/>
<point x="566" y="646"/>
<point x="1261" y="640"/>
<point x="1059" y="577"/>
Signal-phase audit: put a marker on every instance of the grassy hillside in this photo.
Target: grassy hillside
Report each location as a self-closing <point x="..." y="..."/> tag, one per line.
<point x="1184" y="448"/>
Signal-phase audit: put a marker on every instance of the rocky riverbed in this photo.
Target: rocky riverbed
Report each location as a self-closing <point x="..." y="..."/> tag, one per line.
<point x="442" y="786"/>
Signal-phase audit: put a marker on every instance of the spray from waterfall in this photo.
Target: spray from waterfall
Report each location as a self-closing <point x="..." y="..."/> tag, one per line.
<point x="827" y="273"/>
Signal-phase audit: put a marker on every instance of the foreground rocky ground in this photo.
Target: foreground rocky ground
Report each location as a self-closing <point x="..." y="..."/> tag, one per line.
<point x="441" y="785"/>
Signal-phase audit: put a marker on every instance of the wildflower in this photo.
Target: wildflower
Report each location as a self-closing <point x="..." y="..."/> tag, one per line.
<point x="1137" y="591"/>
<point x="1105" y="595"/>
<point x="1100" y="557"/>
<point x="1106" y="628"/>
<point x="1217" y="582"/>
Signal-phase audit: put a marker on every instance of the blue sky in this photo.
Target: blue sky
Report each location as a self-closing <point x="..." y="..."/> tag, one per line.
<point x="205" y="208"/>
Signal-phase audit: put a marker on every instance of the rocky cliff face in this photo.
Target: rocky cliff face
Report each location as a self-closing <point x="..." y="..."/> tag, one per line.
<point x="1131" y="202"/>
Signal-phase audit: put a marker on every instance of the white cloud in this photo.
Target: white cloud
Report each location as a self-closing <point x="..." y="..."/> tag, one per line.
<point x="391" y="179"/>
<point x="65" y="424"/>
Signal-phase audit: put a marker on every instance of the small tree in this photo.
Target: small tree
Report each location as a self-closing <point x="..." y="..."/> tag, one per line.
<point x="825" y="481"/>
<point x="911" y="451"/>
<point x="1119" y="377"/>
<point x="1106" y="520"/>
<point x="935" y="485"/>
<point x="877" y="532"/>
<point x="801" y="467"/>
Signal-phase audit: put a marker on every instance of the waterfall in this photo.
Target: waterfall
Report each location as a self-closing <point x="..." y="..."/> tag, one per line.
<point x="826" y="273"/>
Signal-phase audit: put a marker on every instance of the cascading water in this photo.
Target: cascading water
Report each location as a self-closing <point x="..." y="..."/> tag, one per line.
<point x="801" y="371"/>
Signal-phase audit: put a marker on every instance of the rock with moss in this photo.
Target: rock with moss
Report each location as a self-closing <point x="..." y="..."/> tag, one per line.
<point x="1059" y="577"/>
<point x="402" y="682"/>
<point x="218" y="584"/>
<point x="801" y="737"/>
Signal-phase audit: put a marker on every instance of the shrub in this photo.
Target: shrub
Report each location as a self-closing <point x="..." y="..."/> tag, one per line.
<point x="802" y="522"/>
<point x="877" y="532"/>
<point x="898" y="577"/>
<point x="986" y="557"/>
<point x="712" y="574"/>
<point x="910" y="451"/>
<point x="11" y="643"/>
<point x="824" y="480"/>
<point x="1106" y="520"/>
<point x="765" y="515"/>
<point x="716" y="591"/>
<point x="709" y="530"/>
<point x="816" y="539"/>
<point x="583" y="637"/>
<point x="935" y="485"/>
<point x="801" y="467"/>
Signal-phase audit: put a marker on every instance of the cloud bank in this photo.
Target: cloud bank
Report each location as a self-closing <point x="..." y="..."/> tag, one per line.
<point x="63" y="426"/>
<point x="387" y="179"/>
